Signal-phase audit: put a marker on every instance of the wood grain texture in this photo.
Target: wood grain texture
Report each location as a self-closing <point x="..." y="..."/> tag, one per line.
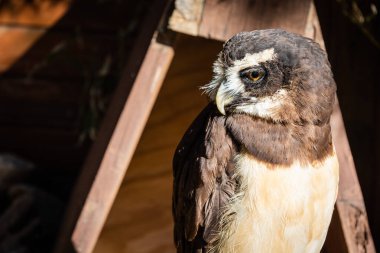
<point x="350" y="206"/>
<point x="121" y="147"/>
<point x="355" y="60"/>
<point x="187" y="16"/>
<point x="223" y="19"/>
<point x="65" y="242"/>
<point x="140" y="220"/>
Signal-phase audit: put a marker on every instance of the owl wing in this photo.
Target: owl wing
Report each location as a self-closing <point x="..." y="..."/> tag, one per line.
<point x="203" y="184"/>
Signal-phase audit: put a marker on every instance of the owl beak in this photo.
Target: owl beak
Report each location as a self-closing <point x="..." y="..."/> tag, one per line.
<point x="220" y="103"/>
<point x="222" y="99"/>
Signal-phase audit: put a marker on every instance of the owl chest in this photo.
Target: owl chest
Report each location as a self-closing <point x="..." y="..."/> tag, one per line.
<point x="280" y="210"/>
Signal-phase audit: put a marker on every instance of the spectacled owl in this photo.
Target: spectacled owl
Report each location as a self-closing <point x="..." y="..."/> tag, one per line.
<point x="257" y="171"/>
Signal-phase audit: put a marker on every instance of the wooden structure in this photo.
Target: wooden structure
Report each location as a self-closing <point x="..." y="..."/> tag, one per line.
<point x="127" y="115"/>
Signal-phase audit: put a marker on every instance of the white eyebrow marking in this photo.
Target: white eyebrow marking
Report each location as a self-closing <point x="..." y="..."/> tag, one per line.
<point x="256" y="58"/>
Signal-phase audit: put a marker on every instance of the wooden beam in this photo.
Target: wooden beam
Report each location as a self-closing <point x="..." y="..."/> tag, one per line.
<point x="94" y="163"/>
<point x="130" y="224"/>
<point x="122" y="146"/>
<point x="350" y="203"/>
<point x="350" y="207"/>
<point x="222" y="19"/>
<point x="187" y="16"/>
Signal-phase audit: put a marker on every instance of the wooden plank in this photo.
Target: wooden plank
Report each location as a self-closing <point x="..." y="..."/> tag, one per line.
<point x="222" y="19"/>
<point x="350" y="207"/>
<point x="141" y="212"/>
<point x="243" y="15"/>
<point x="347" y="46"/>
<point x="187" y="16"/>
<point x="121" y="147"/>
<point x="350" y="204"/>
<point x="65" y="241"/>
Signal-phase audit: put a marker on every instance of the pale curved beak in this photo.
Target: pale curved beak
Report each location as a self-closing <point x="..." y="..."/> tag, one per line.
<point x="222" y="99"/>
<point x="219" y="100"/>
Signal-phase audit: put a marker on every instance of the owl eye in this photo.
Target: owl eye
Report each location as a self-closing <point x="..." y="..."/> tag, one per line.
<point x="255" y="74"/>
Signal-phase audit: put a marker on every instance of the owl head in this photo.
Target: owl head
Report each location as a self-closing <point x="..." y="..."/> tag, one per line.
<point x="274" y="75"/>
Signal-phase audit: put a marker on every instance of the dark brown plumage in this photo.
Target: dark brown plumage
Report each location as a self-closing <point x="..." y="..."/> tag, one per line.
<point x="204" y="164"/>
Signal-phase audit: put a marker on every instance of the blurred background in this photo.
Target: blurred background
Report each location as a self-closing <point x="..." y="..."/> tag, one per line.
<point x="60" y="62"/>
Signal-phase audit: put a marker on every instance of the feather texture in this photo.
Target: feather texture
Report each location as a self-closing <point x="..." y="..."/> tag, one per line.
<point x="207" y="181"/>
<point x="203" y="182"/>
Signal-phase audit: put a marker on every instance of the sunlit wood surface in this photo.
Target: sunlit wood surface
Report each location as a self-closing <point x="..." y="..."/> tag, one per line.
<point x="140" y="220"/>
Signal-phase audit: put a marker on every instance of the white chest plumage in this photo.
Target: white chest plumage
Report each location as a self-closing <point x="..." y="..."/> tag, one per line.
<point x="280" y="210"/>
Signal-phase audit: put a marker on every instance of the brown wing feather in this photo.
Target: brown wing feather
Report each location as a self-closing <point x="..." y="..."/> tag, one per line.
<point x="203" y="184"/>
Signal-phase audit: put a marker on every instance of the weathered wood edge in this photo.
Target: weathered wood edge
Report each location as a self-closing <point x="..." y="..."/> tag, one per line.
<point x="219" y="20"/>
<point x="122" y="146"/>
<point x="187" y="16"/>
<point x="350" y="205"/>
<point x="65" y="242"/>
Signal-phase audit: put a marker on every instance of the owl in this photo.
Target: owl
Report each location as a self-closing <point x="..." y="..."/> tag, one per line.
<point x="257" y="171"/>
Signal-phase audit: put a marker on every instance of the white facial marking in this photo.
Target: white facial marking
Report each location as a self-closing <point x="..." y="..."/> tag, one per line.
<point x="232" y="73"/>
<point x="255" y="59"/>
<point x="264" y="107"/>
<point x="232" y="82"/>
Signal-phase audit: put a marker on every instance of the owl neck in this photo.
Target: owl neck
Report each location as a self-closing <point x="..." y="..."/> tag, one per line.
<point x="280" y="144"/>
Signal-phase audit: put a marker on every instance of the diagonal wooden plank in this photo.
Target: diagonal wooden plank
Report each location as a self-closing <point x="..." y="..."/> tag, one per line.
<point x="350" y="203"/>
<point x="223" y="19"/>
<point x="350" y="207"/>
<point x="85" y="182"/>
<point x="122" y="145"/>
<point x="220" y="20"/>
